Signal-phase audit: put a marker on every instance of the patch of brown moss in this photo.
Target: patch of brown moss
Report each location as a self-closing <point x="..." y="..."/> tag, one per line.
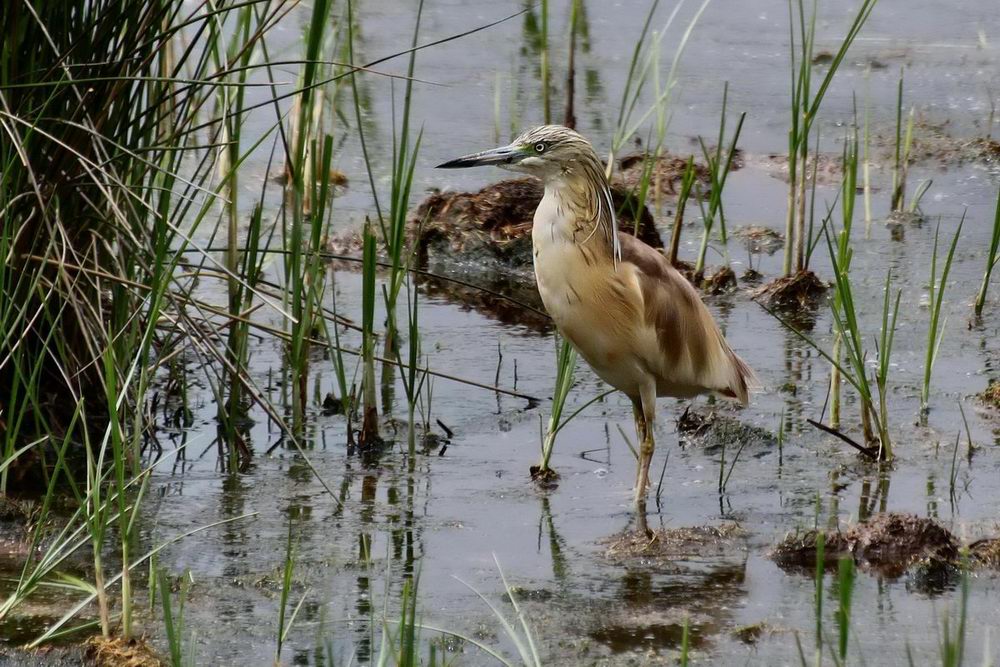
<point x="546" y="479"/>
<point x="118" y="652"/>
<point x="751" y="634"/>
<point x="986" y="552"/>
<point x="826" y="168"/>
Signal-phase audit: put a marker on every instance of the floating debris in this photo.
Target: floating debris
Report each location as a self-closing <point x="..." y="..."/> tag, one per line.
<point x="723" y="280"/>
<point x="118" y="652"/>
<point x="825" y="168"/>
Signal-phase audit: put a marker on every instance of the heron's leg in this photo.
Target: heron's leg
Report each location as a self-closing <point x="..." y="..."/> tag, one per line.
<point x="640" y="420"/>
<point x="646" y="446"/>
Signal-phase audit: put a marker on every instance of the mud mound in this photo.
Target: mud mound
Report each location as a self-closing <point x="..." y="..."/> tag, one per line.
<point x="801" y="290"/>
<point x="723" y="280"/>
<point x="117" y="652"/>
<point x="933" y="142"/>
<point x="888" y="544"/>
<point x="826" y="168"/>
<point x="673" y="543"/>
<point x="991" y="395"/>
<point x="667" y="174"/>
<point x="493" y="226"/>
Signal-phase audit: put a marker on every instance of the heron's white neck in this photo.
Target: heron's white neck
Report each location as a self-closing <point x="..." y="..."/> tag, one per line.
<point x="576" y="209"/>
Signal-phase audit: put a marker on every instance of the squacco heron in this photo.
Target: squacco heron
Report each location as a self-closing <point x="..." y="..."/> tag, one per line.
<point x="640" y="325"/>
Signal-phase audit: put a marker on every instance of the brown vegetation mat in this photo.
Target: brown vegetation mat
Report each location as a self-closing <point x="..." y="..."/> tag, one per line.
<point x="888" y="544"/>
<point x="118" y="652"/>
<point x="720" y="282"/>
<point x="826" y="167"/>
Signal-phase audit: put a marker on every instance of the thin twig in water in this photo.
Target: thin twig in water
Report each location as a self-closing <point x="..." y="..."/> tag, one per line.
<point x="870" y="452"/>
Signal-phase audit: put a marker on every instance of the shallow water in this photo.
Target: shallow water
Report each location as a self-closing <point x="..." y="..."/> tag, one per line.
<point x="459" y="508"/>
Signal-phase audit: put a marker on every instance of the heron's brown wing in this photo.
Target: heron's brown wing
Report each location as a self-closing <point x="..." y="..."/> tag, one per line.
<point x="691" y="351"/>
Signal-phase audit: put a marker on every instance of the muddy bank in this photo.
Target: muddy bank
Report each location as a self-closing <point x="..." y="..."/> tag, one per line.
<point x="888" y="544"/>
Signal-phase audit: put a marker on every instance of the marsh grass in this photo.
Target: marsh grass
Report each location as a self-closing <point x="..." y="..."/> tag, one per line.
<point x="719" y="165"/>
<point x="804" y="106"/>
<point x="935" y="327"/>
<point x="179" y="644"/>
<point x="992" y="259"/>
<point x="286" y="617"/>
<point x="845" y="594"/>
<point x="848" y="188"/>
<point x="904" y="141"/>
<point x="644" y="64"/>
<point x="687" y="184"/>
<point x="565" y="365"/>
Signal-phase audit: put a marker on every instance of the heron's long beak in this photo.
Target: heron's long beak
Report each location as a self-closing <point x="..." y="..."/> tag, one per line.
<point x="497" y="156"/>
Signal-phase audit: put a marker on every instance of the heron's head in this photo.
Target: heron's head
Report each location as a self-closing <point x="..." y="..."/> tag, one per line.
<point x="546" y="152"/>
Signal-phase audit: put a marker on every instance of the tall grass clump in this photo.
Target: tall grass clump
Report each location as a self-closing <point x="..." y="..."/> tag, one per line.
<point x="310" y="159"/>
<point x="121" y="123"/>
<point x="871" y="381"/>
<point x="804" y="106"/>
<point x="992" y="259"/>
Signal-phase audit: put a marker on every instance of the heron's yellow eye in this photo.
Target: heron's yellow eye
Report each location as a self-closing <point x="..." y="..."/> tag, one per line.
<point x="540" y="147"/>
